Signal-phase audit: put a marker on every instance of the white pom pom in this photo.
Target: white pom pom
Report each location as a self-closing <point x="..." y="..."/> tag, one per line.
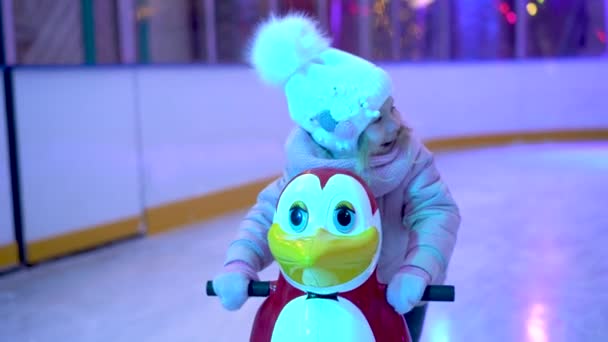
<point x="280" y="46"/>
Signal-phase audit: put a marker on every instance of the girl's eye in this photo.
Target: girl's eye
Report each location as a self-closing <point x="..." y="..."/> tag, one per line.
<point x="377" y="119"/>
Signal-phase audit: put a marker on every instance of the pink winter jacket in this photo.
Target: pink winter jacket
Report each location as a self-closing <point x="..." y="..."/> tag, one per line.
<point x="420" y="220"/>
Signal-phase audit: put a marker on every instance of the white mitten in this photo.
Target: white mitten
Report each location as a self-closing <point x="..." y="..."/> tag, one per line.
<point x="406" y="288"/>
<point x="232" y="284"/>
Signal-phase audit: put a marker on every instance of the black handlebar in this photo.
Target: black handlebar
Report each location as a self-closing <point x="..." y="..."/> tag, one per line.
<point x="432" y="293"/>
<point x="255" y="289"/>
<point x="439" y="293"/>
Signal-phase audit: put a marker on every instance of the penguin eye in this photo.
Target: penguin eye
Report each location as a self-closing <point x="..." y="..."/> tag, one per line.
<point x="344" y="217"/>
<point x="298" y="216"/>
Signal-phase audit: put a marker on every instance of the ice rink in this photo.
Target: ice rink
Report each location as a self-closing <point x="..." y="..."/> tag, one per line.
<point x="530" y="264"/>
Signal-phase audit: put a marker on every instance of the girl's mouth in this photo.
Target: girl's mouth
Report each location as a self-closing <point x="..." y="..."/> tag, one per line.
<point x="389" y="144"/>
<point x="385" y="147"/>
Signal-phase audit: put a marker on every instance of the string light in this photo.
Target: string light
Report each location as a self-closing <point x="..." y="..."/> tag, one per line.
<point x="532" y="8"/>
<point x="504" y="8"/>
<point x="601" y="36"/>
<point x="511" y="18"/>
<point x="417" y="4"/>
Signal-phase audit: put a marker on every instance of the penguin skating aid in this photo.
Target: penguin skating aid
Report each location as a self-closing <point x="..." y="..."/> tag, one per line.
<point x="326" y="237"/>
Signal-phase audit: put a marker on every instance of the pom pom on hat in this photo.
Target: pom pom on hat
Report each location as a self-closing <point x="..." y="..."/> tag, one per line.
<point x="332" y="94"/>
<point x="281" y="46"/>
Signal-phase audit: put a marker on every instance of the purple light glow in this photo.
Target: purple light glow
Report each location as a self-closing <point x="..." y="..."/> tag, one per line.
<point x="336" y="19"/>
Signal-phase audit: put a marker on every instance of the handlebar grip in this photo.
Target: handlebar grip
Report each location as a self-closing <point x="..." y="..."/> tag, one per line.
<point x="255" y="289"/>
<point x="439" y="293"/>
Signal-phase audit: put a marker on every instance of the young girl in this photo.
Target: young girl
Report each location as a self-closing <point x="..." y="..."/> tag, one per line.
<point x="347" y="119"/>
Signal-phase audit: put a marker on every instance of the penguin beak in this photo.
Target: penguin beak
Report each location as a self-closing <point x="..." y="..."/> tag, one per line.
<point x="323" y="259"/>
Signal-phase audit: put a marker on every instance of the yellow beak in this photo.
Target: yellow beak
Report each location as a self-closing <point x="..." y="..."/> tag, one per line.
<point x="323" y="259"/>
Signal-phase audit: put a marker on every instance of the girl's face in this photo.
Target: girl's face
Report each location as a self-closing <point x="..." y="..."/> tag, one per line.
<point x="382" y="133"/>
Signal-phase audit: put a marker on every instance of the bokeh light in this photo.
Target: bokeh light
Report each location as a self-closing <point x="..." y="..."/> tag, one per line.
<point x="532" y="8"/>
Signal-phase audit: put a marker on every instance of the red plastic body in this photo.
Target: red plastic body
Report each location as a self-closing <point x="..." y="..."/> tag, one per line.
<point x="387" y="325"/>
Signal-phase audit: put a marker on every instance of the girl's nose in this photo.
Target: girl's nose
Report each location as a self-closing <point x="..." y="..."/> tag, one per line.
<point x="392" y="125"/>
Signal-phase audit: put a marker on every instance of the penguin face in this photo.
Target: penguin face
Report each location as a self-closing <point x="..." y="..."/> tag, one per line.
<point x="326" y="234"/>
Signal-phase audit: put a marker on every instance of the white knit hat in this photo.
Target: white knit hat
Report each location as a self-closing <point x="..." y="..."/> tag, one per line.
<point x="331" y="94"/>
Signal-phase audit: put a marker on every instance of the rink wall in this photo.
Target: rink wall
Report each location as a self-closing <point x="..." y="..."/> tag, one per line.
<point x="111" y="152"/>
<point x="8" y="244"/>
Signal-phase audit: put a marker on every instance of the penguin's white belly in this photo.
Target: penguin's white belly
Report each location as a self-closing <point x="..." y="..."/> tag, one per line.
<point x="321" y="320"/>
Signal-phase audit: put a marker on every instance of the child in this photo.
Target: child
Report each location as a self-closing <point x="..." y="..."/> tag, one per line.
<point x="347" y="119"/>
